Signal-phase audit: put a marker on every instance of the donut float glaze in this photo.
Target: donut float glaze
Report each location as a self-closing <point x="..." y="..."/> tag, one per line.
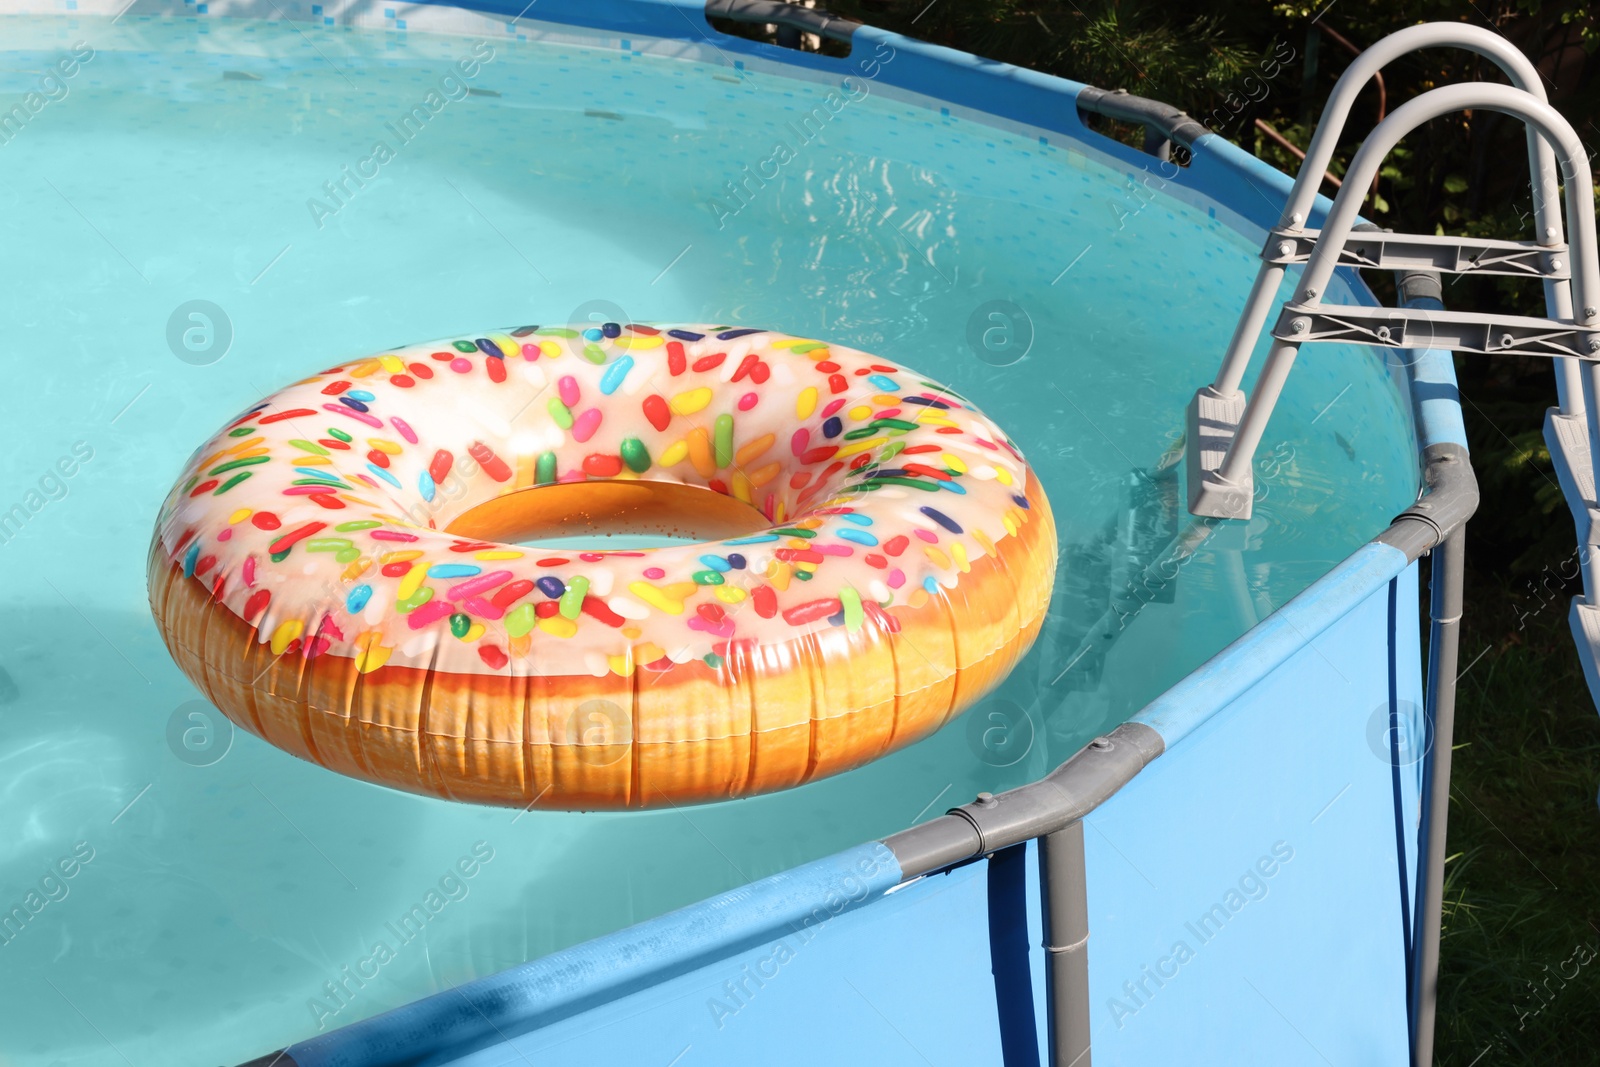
<point x="335" y="570"/>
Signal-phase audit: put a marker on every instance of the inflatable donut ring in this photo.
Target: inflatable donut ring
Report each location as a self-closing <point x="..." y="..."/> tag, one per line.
<point x="337" y="571"/>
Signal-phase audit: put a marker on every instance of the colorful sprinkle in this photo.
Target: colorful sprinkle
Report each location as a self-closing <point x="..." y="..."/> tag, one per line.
<point x="635" y="455"/>
<point x="691" y="401"/>
<point x="584" y="426"/>
<point x="657" y="412"/>
<point x="612" y="379"/>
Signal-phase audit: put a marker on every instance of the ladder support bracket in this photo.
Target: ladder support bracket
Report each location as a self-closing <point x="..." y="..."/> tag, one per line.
<point x="1459" y="331"/>
<point x="1409" y="251"/>
<point x="1213" y="422"/>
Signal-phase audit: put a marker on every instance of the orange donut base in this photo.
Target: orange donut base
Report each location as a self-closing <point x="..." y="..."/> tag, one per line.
<point x="781" y="716"/>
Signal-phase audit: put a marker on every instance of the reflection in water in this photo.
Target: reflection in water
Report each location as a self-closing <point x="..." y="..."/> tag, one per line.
<point x="50" y="784"/>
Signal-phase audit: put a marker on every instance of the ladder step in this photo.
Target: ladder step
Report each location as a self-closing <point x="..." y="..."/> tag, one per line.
<point x="1408" y="251"/>
<point x="1567" y="437"/>
<point x="1460" y="331"/>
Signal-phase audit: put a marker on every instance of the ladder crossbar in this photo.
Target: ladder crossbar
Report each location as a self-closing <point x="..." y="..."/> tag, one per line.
<point x="1457" y="331"/>
<point x="1445" y="254"/>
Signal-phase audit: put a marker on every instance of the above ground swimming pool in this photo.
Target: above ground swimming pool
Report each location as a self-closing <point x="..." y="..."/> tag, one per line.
<point x="203" y="205"/>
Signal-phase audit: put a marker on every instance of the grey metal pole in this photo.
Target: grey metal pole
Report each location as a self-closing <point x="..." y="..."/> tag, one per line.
<point x="1065" y="890"/>
<point x="1257" y="306"/>
<point x="1237" y="466"/>
<point x="1443" y="658"/>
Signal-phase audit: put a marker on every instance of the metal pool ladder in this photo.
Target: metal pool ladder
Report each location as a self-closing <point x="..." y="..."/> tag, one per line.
<point x="1225" y="427"/>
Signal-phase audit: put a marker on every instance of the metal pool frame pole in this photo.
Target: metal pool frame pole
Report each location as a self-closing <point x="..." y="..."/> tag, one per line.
<point x="1443" y="662"/>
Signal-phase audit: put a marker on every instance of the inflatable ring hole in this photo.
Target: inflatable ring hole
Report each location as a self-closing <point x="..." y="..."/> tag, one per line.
<point x="603" y="509"/>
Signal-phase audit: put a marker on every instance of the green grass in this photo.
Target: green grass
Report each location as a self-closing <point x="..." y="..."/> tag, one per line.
<point x="1522" y="890"/>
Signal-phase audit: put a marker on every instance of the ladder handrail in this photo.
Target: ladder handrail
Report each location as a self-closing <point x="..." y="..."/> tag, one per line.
<point x="1330" y="126"/>
<point x="1539" y="116"/>
<point x="1522" y="73"/>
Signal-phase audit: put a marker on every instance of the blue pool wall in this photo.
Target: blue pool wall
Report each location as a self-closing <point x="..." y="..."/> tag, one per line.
<point x="1282" y="757"/>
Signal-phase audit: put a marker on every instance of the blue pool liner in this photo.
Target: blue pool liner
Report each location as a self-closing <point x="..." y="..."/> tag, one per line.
<point x="544" y="991"/>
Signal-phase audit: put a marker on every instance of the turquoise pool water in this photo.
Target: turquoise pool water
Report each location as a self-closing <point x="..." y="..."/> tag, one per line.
<point x="217" y="887"/>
